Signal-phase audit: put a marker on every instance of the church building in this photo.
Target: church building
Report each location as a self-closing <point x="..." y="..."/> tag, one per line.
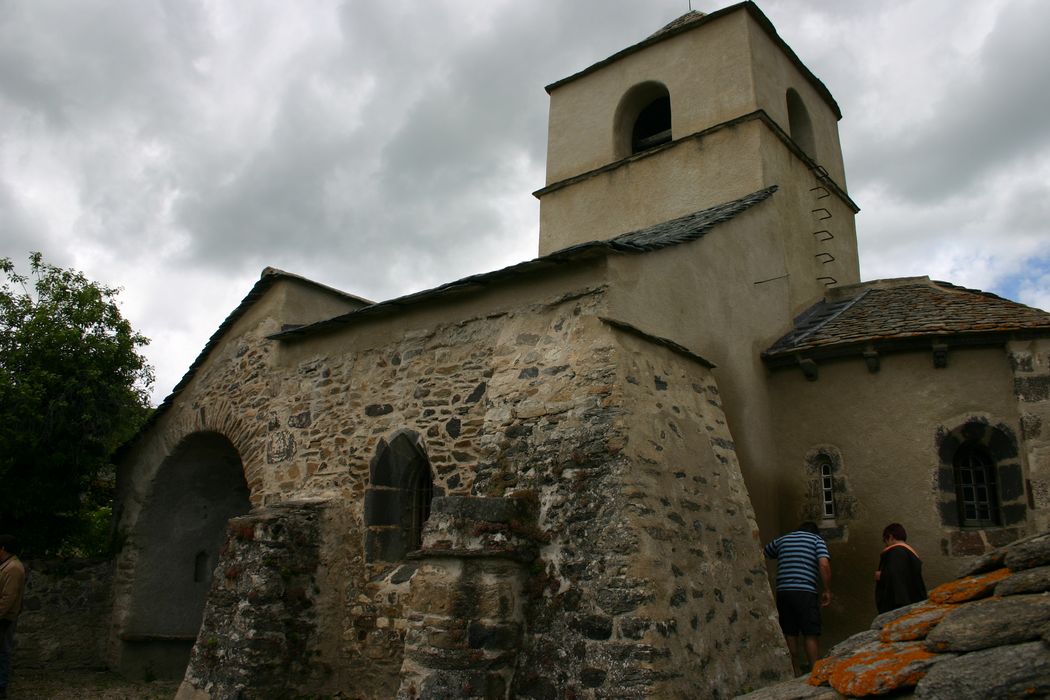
<point x="554" y="480"/>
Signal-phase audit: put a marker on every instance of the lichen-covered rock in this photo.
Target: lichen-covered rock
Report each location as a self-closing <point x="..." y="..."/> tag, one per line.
<point x="983" y="564"/>
<point x="883" y="669"/>
<point x="968" y="587"/>
<point x="991" y="622"/>
<point x="883" y="619"/>
<point x="1035" y="580"/>
<point x="975" y="647"/>
<point x="1016" y="671"/>
<point x="851" y="644"/>
<point x="916" y="624"/>
<point x="1028" y="553"/>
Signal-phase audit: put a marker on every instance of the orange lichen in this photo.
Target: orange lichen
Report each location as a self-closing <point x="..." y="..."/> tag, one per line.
<point x="916" y="624"/>
<point x="968" y="588"/>
<point x="888" y="668"/>
<point x="822" y="670"/>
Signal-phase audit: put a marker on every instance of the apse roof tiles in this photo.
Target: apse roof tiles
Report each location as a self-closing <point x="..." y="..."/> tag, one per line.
<point x="904" y="309"/>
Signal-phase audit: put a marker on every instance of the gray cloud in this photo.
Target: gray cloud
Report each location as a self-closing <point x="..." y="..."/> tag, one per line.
<point x="177" y="147"/>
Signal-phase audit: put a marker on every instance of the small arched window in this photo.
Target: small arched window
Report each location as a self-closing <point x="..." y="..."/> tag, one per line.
<point x="643" y="119"/>
<point x="799" y="124"/>
<point x="975" y="484"/>
<point x="200" y="567"/>
<point x="827" y="487"/>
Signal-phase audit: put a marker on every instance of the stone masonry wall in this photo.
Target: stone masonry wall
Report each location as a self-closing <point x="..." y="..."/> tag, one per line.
<point x="1030" y="361"/>
<point x="652" y="585"/>
<point x="651" y="553"/>
<point x="65" y="614"/>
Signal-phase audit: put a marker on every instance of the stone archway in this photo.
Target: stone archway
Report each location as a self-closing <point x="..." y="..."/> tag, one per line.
<point x="176" y="542"/>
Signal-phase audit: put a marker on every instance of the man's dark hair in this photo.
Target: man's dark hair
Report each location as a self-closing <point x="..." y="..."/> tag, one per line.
<point x="897" y="530"/>
<point x="9" y="543"/>
<point x="810" y="527"/>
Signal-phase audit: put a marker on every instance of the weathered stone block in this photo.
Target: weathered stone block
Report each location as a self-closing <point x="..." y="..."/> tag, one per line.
<point x="385" y="544"/>
<point x="1032" y="389"/>
<point x="1035" y="580"/>
<point x="989" y="623"/>
<point x="1029" y="553"/>
<point x="1016" y="671"/>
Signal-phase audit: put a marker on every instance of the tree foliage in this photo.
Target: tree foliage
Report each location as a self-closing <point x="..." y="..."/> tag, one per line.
<point x="73" y="387"/>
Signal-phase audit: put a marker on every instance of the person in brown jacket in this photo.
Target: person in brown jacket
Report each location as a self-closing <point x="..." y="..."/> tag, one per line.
<point x="12" y="588"/>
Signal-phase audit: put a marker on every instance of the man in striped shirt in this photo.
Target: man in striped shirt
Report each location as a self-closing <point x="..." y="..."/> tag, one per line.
<point x="802" y="559"/>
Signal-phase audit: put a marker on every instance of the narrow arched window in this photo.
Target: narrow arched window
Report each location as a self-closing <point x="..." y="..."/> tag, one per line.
<point x="827" y="487"/>
<point x="397" y="500"/>
<point x="799" y="124"/>
<point x="200" y="567"/>
<point x="975" y="484"/>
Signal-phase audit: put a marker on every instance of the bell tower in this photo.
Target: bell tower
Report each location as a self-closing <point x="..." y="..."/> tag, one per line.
<point x="710" y="108"/>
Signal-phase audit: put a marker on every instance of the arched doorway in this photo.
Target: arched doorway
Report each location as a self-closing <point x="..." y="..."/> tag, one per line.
<point x="197" y="489"/>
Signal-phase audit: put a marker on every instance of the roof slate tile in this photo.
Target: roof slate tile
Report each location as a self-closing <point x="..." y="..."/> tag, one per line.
<point x="902" y="309"/>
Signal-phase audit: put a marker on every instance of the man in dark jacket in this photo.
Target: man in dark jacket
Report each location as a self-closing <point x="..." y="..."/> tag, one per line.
<point x="898" y="582"/>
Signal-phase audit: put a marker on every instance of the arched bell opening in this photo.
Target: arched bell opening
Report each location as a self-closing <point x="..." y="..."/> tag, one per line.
<point x="643" y="119"/>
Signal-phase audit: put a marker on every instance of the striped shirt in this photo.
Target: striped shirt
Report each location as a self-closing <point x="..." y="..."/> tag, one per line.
<point x="797" y="554"/>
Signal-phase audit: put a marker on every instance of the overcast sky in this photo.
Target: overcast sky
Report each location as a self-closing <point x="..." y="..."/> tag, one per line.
<point x="175" y="148"/>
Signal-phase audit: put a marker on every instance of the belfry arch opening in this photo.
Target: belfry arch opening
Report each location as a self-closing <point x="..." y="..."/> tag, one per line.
<point x="643" y="119"/>
<point x="799" y="123"/>
<point x="197" y="489"/>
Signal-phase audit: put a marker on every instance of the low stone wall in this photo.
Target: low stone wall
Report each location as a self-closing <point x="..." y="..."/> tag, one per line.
<point x="65" y="614"/>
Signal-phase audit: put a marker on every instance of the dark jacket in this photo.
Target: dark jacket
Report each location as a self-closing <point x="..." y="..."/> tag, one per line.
<point x="899" y="580"/>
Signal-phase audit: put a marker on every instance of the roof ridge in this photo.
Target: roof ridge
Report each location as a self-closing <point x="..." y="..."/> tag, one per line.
<point x="644" y="239"/>
<point x="838" y="308"/>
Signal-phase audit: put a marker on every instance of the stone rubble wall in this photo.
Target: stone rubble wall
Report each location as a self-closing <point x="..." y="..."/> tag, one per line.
<point x="466" y="607"/>
<point x="1030" y="361"/>
<point x="650" y="583"/>
<point x="65" y="614"/>
<point x="259" y="635"/>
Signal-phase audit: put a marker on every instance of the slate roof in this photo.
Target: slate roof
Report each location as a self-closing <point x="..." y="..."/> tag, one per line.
<point x="675" y="232"/>
<point x="913" y="310"/>
<point x="983" y="635"/>
<point x="667" y="234"/>
<point x="671" y="27"/>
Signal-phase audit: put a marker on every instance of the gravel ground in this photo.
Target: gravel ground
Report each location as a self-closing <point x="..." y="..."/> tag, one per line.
<point x="30" y="684"/>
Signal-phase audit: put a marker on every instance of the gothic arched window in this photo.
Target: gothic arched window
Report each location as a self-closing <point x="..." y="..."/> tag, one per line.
<point x="397" y="500"/>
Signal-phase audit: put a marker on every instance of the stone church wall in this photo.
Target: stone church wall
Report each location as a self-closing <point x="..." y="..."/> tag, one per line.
<point x="633" y="592"/>
<point x="889" y="440"/>
<point x="1030" y="360"/>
